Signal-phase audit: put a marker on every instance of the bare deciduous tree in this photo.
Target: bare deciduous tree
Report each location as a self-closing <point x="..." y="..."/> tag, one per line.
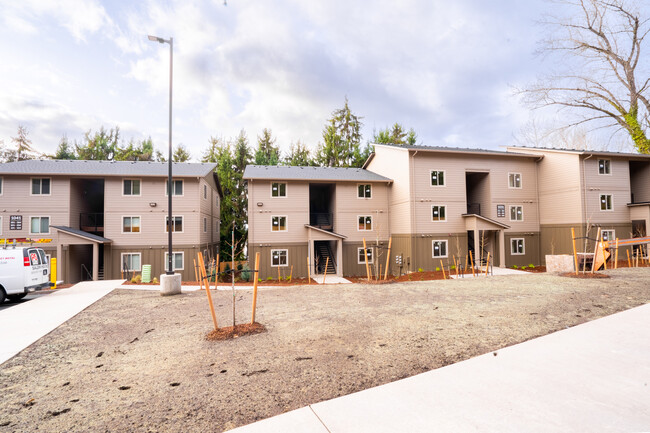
<point x="605" y="78"/>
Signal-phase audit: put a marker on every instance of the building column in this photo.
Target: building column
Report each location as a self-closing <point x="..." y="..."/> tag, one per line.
<point x="502" y="249"/>
<point x="339" y="258"/>
<point x="59" y="261"/>
<point x="95" y="261"/>
<point x="477" y="246"/>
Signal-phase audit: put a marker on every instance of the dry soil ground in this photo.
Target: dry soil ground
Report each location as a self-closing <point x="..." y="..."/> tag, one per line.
<point x="135" y="361"/>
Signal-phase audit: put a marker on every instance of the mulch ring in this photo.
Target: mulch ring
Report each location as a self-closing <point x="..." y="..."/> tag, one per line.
<point x="228" y="333"/>
<point x="587" y="275"/>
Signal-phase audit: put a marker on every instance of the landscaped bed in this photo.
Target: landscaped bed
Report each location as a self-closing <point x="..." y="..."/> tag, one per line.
<point x="136" y="361"/>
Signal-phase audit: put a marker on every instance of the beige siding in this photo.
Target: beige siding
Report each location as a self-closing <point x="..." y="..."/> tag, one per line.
<point x="617" y="184"/>
<point x="349" y="207"/>
<point x="395" y="164"/>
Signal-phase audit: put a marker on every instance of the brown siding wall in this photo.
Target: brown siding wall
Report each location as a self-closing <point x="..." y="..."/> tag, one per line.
<point x="401" y="246"/>
<point x="556" y="239"/>
<point x="531" y="250"/>
<point x="352" y="268"/>
<point x="297" y="258"/>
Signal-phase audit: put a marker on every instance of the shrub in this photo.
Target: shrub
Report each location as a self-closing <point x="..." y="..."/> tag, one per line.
<point x="515" y="267"/>
<point x="240" y="266"/>
<point x="531" y="266"/>
<point x="155" y="280"/>
<point x="420" y="270"/>
<point x="259" y="280"/>
<point x="269" y="279"/>
<point x="137" y="279"/>
<point x="437" y="269"/>
<point x="246" y="273"/>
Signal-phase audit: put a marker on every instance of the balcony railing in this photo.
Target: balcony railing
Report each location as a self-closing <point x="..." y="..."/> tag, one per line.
<point x="91" y="222"/>
<point x="474" y="208"/>
<point x="322" y="220"/>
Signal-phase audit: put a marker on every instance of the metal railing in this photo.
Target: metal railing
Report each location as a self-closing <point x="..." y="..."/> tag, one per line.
<point x="474" y="208"/>
<point x="322" y="220"/>
<point x="91" y="222"/>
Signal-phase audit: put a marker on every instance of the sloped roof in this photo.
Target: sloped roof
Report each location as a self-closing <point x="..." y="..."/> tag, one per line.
<point x="106" y="168"/>
<point x="422" y="148"/>
<point x="581" y="152"/>
<point x="83" y="234"/>
<point x="280" y="172"/>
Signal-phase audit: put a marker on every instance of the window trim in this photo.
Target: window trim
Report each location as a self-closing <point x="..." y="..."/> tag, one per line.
<point x="131" y="232"/>
<point x="370" y="260"/>
<point x="609" y="166"/>
<point x="131" y="179"/>
<point x="439" y="206"/>
<point x="205" y="224"/>
<point x="364" y="191"/>
<point x="174" y="224"/>
<point x="600" y="202"/>
<point x="446" y="242"/>
<point x="611" y="239"/>
<point x="48" y="224"/>
<point x="286" y="223"/>
<point x="523" y="247"/>
<point x="286" y="190"/>
<point x="372" y="224"/>
<point x="173" y="181"/>
<point x="31" y="192"/>
<point x="510" y="213"/>
<point x="205" y="191"/>
<point x="521" y="180"/>
<point x="131" y="254"/>
<point x="286" y="251"/>
<point x="444" y="177"/>
<point x="174" y="253"/>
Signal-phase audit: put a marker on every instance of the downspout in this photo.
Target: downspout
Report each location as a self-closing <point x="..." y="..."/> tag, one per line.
<point x="412" y="201"/>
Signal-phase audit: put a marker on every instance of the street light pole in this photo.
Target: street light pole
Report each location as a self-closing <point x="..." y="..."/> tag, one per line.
<point x="170" y="41"/>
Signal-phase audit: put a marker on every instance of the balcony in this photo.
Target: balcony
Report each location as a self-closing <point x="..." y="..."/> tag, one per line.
<point x="474" y="208"/>
<point x="91" y="222"/>
<point x="324" y="221"/>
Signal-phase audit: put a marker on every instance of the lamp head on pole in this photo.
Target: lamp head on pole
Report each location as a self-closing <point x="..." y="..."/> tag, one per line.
<point x="157" y="39"/>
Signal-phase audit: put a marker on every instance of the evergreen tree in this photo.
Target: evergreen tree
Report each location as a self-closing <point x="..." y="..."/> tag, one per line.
<point x="299" y="155"/>
<point x="64" y="150"/>
<point x="341" y="145"/>
<point x="100" y="146"/>
<point x="267" y="152"/>
<point x="23" y="145"/>
<point x="181" y="154"/>
<point x="396" y="135"/>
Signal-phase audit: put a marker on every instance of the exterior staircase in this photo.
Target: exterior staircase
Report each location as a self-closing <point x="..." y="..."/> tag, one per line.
<point x="323" y="251"/>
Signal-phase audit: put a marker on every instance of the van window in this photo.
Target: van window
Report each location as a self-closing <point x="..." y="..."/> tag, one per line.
<point x="34" y="258"/>
<point x="44" y="260"/>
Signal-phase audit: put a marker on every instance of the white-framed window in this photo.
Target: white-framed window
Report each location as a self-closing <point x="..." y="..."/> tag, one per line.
<point x="41" y="186"/>
<point x="130" y="224"/>
<point x="39" y="225"/>
<point x="606" y="202"/>
<point x="178" y="260"/>
<point x="177" y="187"/>
<point x="177" y="224"/>
<point x="279" y="223"/>
<point x="205" y="192"/>
<point x="279" y="258"/>
<point x="364" y="190"/>
<point x="131" y="187"/>
<point x="131" y="262"/>
<point x="604" y="166"/>
<point x="0" y="185"/>
<point x="438" y="249"/>
<point x="438" y="212"/>
<point x="364" y="223"/>
<point x="278" y="189"/>
<point x="360" y="256"/>
<point x="608" y="235"/>
<point x="514" y="180"/>
<point x="437" y="178"/>
<point x="205" y="225"/>
<point x="516" y="213"/>
<point x="517" y="246"/>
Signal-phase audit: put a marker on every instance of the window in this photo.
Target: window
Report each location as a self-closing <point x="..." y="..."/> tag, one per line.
<point x="41" y="186"/>
<point x="606" y="202"/>
<point x="514" y="180"/>
<point x="178" y="259"/>
<point x="364" y="223"/>
<point x="278" y="189"/>
<point x="0" y="186"/>
<point x="205" y="225"/>
<point x="501" y="211"/>
<point x="439" y="249"/>
<point x="364" y="191"/>
<point x="608" y="235"/>
<point x="177" y="187"/>
<point x="438" y="213"/>
<point x="279" y="224"/>
<point x="516" y="213"/>
<point x="279" y="258"/>
<point x="437" y="178"/>
<point x="361" y="258"/>
<point x="131" y="224"/>
<point x="39" y="225"/>
<point x="604" y="166"/>
<point x="205" y="192"/>
<point x="177" y="224"/>
<point x="517" y="246"/>
<point x="131" y="187"/>
<point x="131" y="262"/>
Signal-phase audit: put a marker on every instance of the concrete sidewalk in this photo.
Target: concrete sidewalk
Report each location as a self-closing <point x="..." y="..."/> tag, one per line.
<point x="24" y="324"/>
<point x="593" y="377"/>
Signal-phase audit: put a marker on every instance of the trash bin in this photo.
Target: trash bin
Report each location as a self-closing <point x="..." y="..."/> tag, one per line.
<point x="146" y="273"/>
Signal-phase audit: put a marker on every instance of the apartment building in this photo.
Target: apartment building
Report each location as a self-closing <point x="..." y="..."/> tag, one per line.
<point x="590" y="189"/>
<point x="445" y="202"/>
<point x="316" y="216"/>
<point x="103" y="217"/>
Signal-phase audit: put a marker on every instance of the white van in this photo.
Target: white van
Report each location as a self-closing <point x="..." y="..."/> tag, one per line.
<point x="22" y="270"/>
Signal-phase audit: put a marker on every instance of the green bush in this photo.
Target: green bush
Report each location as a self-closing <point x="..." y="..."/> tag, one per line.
<point x="240" y="266"/>
<point x="420" y="270"/>
<point x="269" y="279"/>
<point x="259" y="280"/>
<point x="437" y="269"/>
<point x="246" y="274"/>
<point x="515" y="267"/>
<point x="137" y="279"/>
<point x="531" y="266"/>
<point x="155" y="280"/>
<point x="453" y="267"/>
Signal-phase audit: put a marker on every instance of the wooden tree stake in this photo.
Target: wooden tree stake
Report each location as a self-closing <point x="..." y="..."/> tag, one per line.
<point x="629" y="263"/>
<point x="196" y="275"/>
<point x="487" y="264"/>
<point x="202" y="268"/>
<point x="327" y="262"/>
<point x="365" y="256"/>
<point x="308" y="271"/>
<point x="593" y="262"/>
<point x="616" y="256"/>
<point x="257" y="266"/>
<point x="291" y="274"/>
<point x="575" y="252"/>
<point x="442" y="266"/>
<point x="390" y="242"/>
<point x="471" y="259"/>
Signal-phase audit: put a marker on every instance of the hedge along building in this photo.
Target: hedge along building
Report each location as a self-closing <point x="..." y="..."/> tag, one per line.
<point x="103" y="216"/>
<point x="316" y="216"/>
<point x="445" y="202"/>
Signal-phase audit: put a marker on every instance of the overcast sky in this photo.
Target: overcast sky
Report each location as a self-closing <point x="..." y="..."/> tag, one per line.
<point x="445" y="68"/>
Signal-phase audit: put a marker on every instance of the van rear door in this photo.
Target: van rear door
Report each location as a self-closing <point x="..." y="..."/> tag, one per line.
<point x="36" y="267"/>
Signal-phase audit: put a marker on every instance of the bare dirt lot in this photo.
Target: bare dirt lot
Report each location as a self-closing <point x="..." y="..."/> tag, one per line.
<point x="136" y="361"/>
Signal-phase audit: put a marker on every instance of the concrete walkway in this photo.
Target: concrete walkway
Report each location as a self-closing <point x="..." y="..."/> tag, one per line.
<point x="330" y="279"/>
<point x="593" y="377"/>
<point x="25" y="323"/>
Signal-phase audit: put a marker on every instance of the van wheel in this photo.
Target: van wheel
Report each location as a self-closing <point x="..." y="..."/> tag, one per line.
<point x="17" y="297"/>
<point x="3" y="295"/>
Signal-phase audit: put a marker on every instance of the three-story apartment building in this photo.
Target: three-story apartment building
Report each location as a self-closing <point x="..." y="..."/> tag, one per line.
<point x="104" y="217"/>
